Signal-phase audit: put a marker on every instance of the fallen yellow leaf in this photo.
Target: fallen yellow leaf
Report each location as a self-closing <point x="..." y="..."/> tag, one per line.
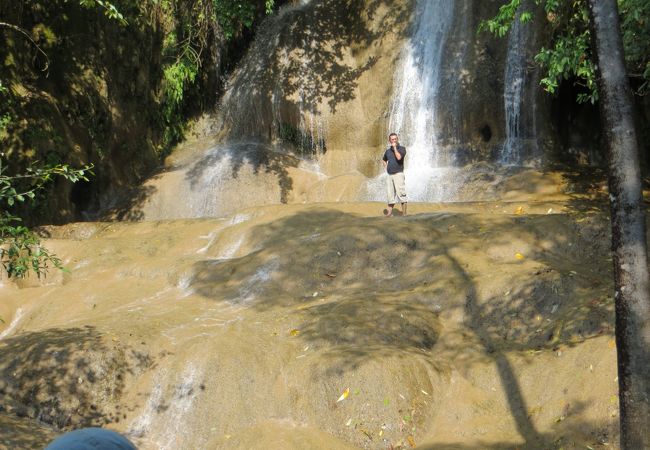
<point x="344" y="395"/>
<point x="519" y="256"/>
<point x="519" y="210"/>
<point x="411" y="441"/>
<point x="294" y="332"/>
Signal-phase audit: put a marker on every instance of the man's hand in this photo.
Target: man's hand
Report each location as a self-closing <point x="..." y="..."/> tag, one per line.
<point x="398" y="155"/>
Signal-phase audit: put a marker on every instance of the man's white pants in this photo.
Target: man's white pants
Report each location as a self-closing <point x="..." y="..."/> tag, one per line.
<point x="396" y="188"/>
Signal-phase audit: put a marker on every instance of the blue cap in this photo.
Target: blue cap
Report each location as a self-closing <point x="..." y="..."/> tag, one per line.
<point x="91" y="439"/>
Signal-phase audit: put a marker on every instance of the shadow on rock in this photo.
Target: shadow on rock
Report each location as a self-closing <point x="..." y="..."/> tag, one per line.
<point x="68" y="378"/>
<point x="23" y="433"/>
<point x="260" y="157"/>
<point x="365" y="288"/>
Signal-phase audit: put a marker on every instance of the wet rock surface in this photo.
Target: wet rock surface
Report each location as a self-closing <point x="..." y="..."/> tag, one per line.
<point x="324" y="326"/>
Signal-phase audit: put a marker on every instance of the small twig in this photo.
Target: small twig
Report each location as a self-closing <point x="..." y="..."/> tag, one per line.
<point x="22" y="31"/>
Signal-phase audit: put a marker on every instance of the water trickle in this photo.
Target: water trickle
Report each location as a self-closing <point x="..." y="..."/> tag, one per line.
<point x="14" y="323"/>
<point x="518" y="107"/>
<point x="211" y="185"/>
<point x="286" y="109"/>
<point x="163" y="421"/>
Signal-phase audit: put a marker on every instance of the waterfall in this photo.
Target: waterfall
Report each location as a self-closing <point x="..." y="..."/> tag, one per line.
<point x="211" y="183"/>
<point x="296" y="118"/>
<point x="512" y="93"/>
<point x="517" y="112"/>
<point x="414" y="112"/>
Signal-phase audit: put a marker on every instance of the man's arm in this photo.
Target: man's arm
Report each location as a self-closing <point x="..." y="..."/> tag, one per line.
<point x="398" y="153"/>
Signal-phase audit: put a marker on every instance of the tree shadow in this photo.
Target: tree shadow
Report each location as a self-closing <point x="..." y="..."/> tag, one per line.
<point x="370" y="288"/>
<point x="563" y="436"/>
<point x="234" y="156"/>
<point x="67" y="378"/>
<point x="129" y="206"/>
<point x="16" y="433"/>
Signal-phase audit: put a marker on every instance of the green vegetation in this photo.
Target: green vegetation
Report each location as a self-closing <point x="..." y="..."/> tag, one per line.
<point x="635" y="29"/>
<point x="198" y="26"/>
<point x="232" y="15"/>
<point x="193" y="34"/>
<point x="568" y="55"/>
<point x="109" y="9"/>
<point x="20" y="249"/>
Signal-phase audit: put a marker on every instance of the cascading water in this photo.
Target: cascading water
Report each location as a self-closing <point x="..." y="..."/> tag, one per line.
<point x="303" y="79"/>
<point x="212" y="183"/>
<point x="272" y="128"/>
<point x="513" y="94"/>
<point x="414" y="111"/>
<point x="308" y="134"/>
<point x="284" y="106"/>
<point x="425" y="112"/>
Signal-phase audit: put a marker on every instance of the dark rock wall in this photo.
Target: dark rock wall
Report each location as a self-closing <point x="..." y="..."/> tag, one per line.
<point x="92" y="100"/>
<point x="476" y="86"/>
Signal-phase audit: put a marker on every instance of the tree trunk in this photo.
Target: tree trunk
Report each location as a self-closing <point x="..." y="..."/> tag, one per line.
<point x="632" y="296"/>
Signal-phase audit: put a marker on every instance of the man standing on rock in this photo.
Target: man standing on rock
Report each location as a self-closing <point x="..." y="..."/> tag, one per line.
<point x="394" y="164"/>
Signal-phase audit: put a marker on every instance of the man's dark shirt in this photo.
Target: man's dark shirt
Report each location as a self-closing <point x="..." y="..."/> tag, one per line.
<point x="394" y="165"/>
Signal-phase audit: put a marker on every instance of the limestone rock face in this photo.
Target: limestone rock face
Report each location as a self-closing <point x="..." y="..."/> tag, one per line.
<point x="322" y="327"/>
<point x="320" y="79"/>
<point x="305" y="116"/>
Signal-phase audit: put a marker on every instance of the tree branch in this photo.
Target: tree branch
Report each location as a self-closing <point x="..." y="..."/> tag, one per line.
<point x="24" y="33"/>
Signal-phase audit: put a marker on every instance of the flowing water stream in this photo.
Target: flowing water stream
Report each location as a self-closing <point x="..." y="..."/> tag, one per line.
<point x="414" y="111"/>
<point x="516" y="104"/>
